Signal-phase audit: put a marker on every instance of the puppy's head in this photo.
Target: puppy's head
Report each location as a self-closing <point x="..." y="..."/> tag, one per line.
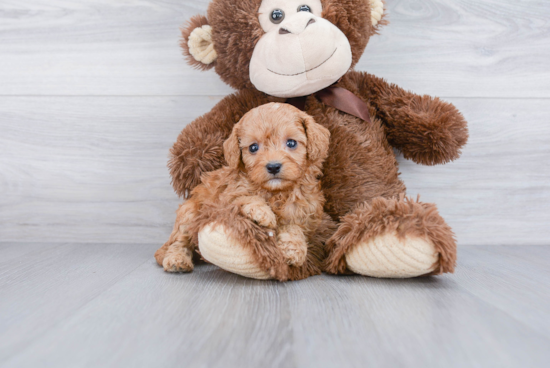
<point x="276" y="145"/>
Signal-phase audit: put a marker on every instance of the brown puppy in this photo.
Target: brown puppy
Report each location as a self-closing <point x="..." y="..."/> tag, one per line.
<point x="274" y="156"/>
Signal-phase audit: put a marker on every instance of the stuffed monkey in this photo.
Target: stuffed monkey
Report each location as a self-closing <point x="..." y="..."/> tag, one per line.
<point x="304" y="52"/>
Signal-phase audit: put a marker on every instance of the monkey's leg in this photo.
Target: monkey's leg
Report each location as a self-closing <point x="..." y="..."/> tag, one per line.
<point x="392" y="238"/>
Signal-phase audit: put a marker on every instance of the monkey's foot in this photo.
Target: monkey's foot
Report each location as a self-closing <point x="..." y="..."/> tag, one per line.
<point x="393" y="238"/>
<point x="219" y="248"/>
<point x="389" y="256"/>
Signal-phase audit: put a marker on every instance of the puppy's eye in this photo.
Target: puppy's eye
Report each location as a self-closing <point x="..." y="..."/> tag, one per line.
<point x="277" y="16"/>
<point x="291" y="143"/>
<point x="304" y="8"/>
<point x="253" y="148"/>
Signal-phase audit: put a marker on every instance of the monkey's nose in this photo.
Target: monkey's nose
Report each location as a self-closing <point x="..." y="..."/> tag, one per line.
<point x="284" y="30"/>
<point x="273" y="167"/>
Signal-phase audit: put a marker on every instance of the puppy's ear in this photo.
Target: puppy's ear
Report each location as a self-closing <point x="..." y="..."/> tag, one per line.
<point x="318" y="138"/>
<point x="232" y="150"/>
<point x="197" y="43"/>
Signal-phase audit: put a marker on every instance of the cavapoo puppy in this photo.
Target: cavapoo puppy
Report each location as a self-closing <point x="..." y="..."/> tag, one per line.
<point x="274" y="157"/>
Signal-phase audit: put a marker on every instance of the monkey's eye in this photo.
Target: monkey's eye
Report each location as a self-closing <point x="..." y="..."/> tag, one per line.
<point x="277" y="16"/>
<point x="291" y="143"/>
<point x="304" y="8"/>
<point x="253" y="148"/>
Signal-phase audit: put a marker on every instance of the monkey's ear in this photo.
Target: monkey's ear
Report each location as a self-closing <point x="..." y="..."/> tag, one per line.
<point x="376" y="11"/>
<point x="232" y="150"/>
<point x="197" y="43"/>
<point x="318" y="138"/>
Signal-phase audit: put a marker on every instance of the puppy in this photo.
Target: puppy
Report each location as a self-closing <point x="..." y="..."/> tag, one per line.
<point x="274" y="159"/>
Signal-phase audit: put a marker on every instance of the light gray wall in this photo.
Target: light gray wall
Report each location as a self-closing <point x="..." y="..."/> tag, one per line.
<point x="93" y="94"/>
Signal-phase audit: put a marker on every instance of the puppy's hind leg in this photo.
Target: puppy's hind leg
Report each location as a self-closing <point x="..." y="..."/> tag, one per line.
<point x="161" y="252"/>
<point x="176" y="255"/>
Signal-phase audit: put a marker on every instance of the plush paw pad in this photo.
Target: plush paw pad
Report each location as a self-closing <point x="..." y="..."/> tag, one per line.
<point x="218" y="248"/>
<point x="389" y="256"/>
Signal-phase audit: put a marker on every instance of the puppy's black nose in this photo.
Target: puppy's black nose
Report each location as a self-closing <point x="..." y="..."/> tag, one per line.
<point x="273" y="167"/>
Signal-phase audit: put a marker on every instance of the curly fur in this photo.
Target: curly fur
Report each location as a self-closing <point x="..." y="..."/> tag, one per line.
<point x="405" y="217"/>
<point x="251" y="202"/>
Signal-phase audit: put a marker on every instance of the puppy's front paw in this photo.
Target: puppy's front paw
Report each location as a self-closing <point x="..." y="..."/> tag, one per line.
<point x="178" y="262"/>
<point x="294" y="248"/>
<point x="262" y="215"/>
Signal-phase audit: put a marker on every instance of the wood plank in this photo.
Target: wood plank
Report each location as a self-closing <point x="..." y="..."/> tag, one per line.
<point x="11" y="251"/>
<point x="536" y="255"/>
<point x="98" y="47"/>
<point x="494" y="48"/>
<point x="415" y="323"/>
<point x="499" y="188"/>
<point x="211" y="318"/>
<point x="93" y="169"/>
<point x="90" y="169"/>
<point x="464" y="48"/>
<point x="41" y="288"/>
<point x="511" y="279"/>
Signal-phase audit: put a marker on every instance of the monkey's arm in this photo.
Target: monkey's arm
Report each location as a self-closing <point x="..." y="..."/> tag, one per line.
<point x="199" y="147"/>
<point x="425" y="129"/>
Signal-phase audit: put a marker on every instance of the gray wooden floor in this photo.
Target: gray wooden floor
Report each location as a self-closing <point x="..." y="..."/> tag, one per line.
<point x="109" y="305"/>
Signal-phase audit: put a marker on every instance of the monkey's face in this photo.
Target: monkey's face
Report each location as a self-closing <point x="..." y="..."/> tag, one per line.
<point x="300" y="52"/>
<point x="285" y="48"/>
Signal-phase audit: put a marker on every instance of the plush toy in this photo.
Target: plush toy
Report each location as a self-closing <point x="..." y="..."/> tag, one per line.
<point x="303" y="52"/>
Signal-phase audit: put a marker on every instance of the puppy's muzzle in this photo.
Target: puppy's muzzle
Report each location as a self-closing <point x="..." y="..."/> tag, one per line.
<point x="273" y="167"/>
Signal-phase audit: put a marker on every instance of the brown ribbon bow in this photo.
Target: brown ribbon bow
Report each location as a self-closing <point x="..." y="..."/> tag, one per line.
<point x="339" y="98"/>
